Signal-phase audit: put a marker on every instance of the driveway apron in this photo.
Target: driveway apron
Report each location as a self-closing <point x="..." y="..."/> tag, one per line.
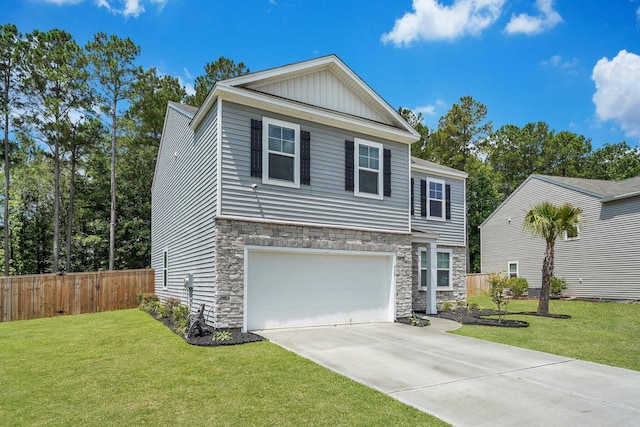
<point x="470" y="382"/>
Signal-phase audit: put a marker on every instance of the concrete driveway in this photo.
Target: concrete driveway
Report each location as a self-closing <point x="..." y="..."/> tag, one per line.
<point x="470" y="382"/>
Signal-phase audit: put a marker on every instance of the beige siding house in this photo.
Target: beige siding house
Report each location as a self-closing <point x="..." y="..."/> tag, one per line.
<point x="602" y="261"/>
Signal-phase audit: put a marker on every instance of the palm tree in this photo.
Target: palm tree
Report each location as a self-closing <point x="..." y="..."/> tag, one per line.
<point x="549" y="221"/>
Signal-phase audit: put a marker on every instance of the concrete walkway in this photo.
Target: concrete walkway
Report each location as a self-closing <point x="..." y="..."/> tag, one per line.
<point x="470" y="382"/>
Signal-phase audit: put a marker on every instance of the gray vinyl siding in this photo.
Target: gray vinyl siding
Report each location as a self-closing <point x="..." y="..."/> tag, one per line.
<point x="603" y="263"/>
<point x="325" y="201"/>
<point x="451" y="231"/>
<point x="183" y="208"/>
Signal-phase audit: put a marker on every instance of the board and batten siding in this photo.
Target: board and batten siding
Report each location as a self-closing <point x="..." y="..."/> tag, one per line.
<point x="602" y="263"/>
<point x="183" y="208"/>
<point x="325" y="201"/>
<point x="451" y="231"/>
<point x="323" y="89"/>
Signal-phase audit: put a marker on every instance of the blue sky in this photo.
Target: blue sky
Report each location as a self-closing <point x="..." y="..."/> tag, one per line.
<point x="572" y="64"/>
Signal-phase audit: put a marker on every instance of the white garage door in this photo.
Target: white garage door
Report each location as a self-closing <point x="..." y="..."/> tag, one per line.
<point x="311" y="288"/>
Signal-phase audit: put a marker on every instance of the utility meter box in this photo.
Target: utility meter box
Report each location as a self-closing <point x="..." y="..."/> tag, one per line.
<point x="188" y="281"/>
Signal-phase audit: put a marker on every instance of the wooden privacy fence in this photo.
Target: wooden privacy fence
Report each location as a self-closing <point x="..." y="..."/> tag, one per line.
<point x="477" y="284"/>
<point x="48" y="295"/>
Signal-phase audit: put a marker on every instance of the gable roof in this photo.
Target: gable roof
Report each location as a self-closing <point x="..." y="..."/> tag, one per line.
<point x="322" y="90"/>
<point x="421" y="165"/>
<point x="601" y="189"/>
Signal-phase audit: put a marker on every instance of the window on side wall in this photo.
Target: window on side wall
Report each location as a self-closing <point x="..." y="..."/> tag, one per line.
<point x="281" y="153"/>
<point x="443" y="261"/>
<point x="513" y="269"/>
<point x="368" y="176"/>
<point x="573" y="234"/>
<point x="165" y="268"/>
<point x="435" y="200"/>
<point x="423" y="263"/>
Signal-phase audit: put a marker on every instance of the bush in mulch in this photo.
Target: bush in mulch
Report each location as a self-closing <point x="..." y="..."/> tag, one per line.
<point x="174" y="316"/>
<point x="477" y="316"/>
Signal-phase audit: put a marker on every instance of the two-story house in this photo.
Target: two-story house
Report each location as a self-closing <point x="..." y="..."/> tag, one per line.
<point x="600" y="260"/>
<point x="286" y="199"/>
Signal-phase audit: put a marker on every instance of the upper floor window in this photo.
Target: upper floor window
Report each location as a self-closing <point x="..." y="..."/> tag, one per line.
<point x="436" y="199"/>
<point x="573" y="234"/>
<point x="281" y="153"/>
<point x="368" y="176"/>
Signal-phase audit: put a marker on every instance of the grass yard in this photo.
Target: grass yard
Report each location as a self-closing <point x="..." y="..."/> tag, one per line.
<point x="601" y="332"/>
<point x="125" y="368"/>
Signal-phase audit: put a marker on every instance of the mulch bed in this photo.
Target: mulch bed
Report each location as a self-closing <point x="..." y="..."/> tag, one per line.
<point x="479" y="317"/>
<point x="206" y="340"/>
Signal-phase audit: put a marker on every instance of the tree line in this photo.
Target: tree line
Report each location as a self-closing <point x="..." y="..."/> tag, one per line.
<point x="498" y="161"/>
<point x="82" y="126"/>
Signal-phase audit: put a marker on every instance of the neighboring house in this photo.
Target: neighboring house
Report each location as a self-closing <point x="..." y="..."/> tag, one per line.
<point x="599" y="261"/>
<point x="284" y="201"/>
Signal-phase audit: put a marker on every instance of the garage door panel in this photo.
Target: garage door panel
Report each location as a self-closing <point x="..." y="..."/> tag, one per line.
<point x="286" y="289"/>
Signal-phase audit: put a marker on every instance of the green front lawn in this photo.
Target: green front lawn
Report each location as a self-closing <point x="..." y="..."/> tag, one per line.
<point x="124" y="368"/>
<point x="599" y="332"/>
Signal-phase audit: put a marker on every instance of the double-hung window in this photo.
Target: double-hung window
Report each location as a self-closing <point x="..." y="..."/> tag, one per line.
<point x="443" y="262"/>
<point x="165" y="268"/>
<point x="435" y="202"/>
<point x="423" y="267"/>
<point x="368" y="176"/>
<point x="573" y="234"/>
<point x="281" y="153"/>
<point x="513" y="269"/>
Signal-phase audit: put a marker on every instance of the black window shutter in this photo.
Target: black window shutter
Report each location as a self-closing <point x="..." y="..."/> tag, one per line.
<point x="447" y="199"/>
<point x="412" y="199"/>
<point x="423" y="197"/>
<point x="305" y="158"/>
<point x="386" y="170"/>
<point x="256" y="148"/>
<point x="348" y="165"/>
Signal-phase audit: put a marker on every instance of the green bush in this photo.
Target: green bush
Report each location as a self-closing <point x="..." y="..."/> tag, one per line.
<point x="447" y="306"/>
<point x="498" y="283"/>
<point x="181" y="317"/>
<point x="171" y="303"/>
<point x="517" y="286"/>
<point x="558" y="285"/>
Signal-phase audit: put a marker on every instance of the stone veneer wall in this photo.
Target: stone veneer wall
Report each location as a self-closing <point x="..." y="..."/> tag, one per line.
<point x="231" y="236"/>
<point x="458" y="278"/>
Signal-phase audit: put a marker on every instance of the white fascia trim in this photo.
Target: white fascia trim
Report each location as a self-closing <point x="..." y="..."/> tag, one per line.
<point x="284" y="249"/>
<point x="306" y="112"/>
<point x="440" y="172"/>
<point x="310" y="224"/>
<point x="219" y="160"/>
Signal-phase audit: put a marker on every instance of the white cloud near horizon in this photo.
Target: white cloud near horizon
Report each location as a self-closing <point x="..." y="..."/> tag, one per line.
<point x="126" y="8"/>
<point x="617" y="95"/>
<point x="527" y="24"/>
<point x="431" y="20"/>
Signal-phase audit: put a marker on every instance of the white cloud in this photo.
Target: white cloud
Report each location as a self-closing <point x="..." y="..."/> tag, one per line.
<point x="127" y="8"/>
<point x="527" y="24"/>
<point x="431" y="20"/>
<point x="617" y="94"/>
<point x="558" y="62"/>
<point x="426" y="109"/>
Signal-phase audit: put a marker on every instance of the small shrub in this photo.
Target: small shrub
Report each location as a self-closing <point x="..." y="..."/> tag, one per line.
<point x="222" y="336"/>
<point x="162" y="311"/>
<point x="181" y="317"/>
<point x="147" y="301"/>
<point x="497" y="285"/>
<point x="171" y="303"/>
<point x="558" y="285"/>
<point x="517" y="286"/>
<point x="461" y="303"/>
<point x="447" y="306"/>
<point x="473" y="305"/>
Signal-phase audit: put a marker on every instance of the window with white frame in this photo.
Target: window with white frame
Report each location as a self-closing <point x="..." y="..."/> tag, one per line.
<point x="435" y="200"/>
<point x="573" y="234"/>
<point x="368" y="176"/>
<point x="443" y="270"/>
<point x="513" y="269"/>
<point x="165" y="268"/>
<point x="423" y="266"/>
<point x="281" y="153"/>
